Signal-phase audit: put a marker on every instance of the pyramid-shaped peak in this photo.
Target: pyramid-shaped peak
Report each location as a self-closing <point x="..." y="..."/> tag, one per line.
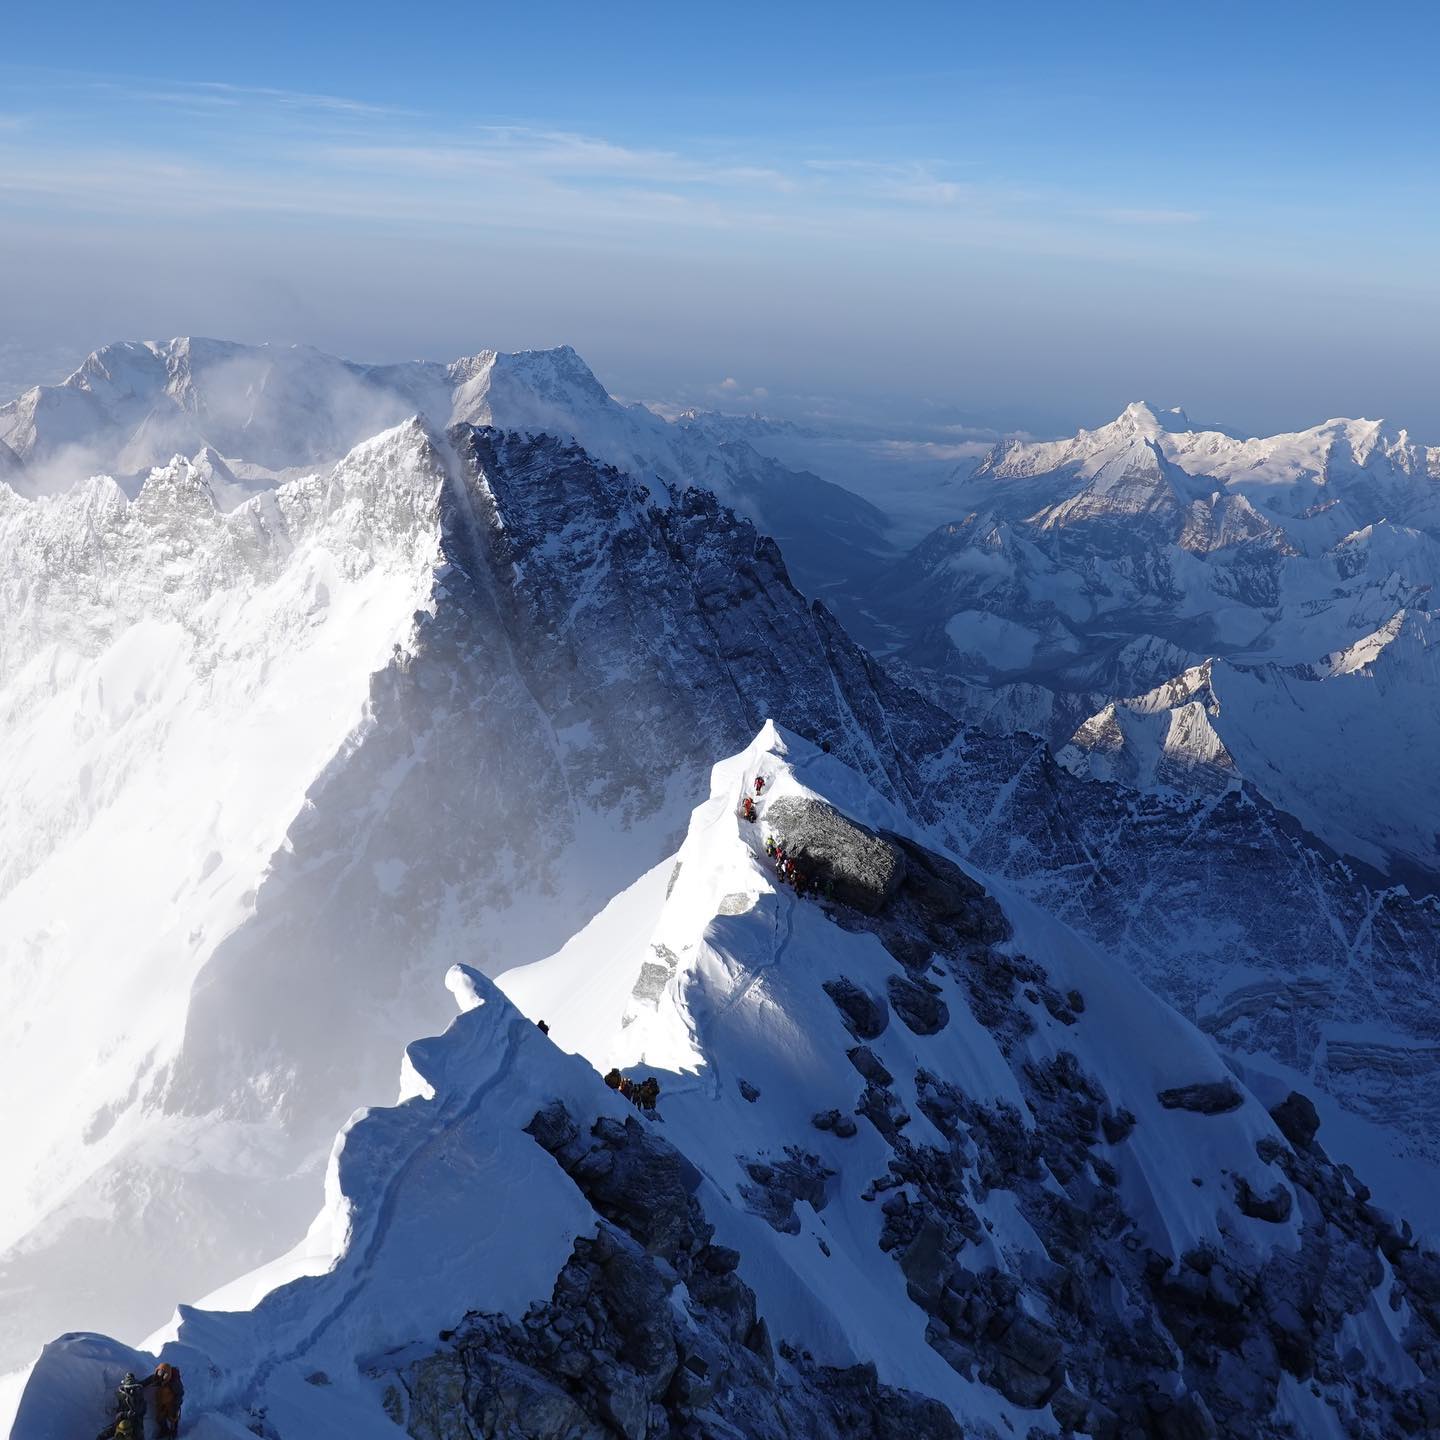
<point x="552" y="371"/>
<point x="1146" y="419"/>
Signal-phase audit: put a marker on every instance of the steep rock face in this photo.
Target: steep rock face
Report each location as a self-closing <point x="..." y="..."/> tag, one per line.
<point x="134" y="405"/>
<point x="612" y="1351"/>
<point x="1225" y="908"/>
<point x="863" y="869"/>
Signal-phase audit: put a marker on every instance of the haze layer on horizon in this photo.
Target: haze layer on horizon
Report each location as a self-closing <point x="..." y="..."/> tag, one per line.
<point x="1021" y="220"/>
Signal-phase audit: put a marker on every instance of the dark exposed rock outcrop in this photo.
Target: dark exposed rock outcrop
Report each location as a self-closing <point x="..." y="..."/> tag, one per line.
<point x="1297" y="1120"/>
<point x="1118" y="1340"/>
<point x="864" y="868"/>
<point x="865" y="1016"/>
<point x="617" y="1351"/>
<point x="1211" y="1097"/>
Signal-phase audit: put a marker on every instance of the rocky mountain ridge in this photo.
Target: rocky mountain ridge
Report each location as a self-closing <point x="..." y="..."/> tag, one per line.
<point x="997" y="1221"/>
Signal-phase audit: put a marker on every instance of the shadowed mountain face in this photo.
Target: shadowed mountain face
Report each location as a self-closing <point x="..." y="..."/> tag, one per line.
<point x="1059" y="578"/>
<point x="281" y="409"/>
<point x="527" y="659"/>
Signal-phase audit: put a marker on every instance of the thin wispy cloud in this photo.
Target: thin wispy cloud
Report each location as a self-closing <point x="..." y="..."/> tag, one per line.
<point x="555" y="153"/>
<point x="252" y="149"/>
<point x="298" y="99"/>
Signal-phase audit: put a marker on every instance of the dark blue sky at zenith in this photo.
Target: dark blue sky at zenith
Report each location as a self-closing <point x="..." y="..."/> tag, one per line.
<point x="1023" y="215"/>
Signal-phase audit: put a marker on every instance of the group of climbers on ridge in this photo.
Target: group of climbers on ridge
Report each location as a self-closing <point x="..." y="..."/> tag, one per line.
<point x="747" y="800"/>
<point x="786" y="865"/>
<point x="793" y="873"/>
<point x="129" y="1418"/>
<point x="129" y="1421"/>
<point x="642" y="1095"/>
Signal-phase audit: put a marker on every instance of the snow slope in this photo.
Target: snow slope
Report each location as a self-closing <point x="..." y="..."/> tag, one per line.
<point x="151" y="657"/>
<point x="1111" y="1258"/>
<point x="573" y="647"/>
<point x="1342" y="745"/>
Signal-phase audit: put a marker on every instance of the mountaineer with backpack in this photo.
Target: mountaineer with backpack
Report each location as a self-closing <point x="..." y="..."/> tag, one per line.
<point x="169" y="1393"/>
<point x="129" y="1421"/>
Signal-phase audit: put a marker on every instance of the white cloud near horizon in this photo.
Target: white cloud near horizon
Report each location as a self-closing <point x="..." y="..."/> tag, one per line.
<point x="134" y="208"/>
<point x="253" y="150"/>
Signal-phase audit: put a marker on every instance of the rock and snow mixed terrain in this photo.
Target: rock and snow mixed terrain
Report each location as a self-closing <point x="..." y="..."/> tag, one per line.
<point x="1342" y="745"/>
<point x="288" y="735"/>
<point x="272" y="764"/>
<point x="277" y="410"/>
<point x="899" y="1159"/>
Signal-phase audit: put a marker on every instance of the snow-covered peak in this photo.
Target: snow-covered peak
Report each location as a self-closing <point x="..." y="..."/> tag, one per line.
<point x="1283" y="474"/>
<point x="273" y="411"/>
<point x="1405" y="640"/>
<point x="1334" y="743"/>
<point x="1150" y="420"/>
<point x="550" y="391"/>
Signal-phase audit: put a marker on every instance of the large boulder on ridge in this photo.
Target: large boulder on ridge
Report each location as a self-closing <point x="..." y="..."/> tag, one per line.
<point x="865" y="868"/>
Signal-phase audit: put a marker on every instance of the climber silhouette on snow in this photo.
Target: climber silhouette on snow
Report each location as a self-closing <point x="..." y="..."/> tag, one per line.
<point x="169" y="1393"/>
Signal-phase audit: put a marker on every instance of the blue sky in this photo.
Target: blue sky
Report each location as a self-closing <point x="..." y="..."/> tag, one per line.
<point x="1022" y="215"/>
